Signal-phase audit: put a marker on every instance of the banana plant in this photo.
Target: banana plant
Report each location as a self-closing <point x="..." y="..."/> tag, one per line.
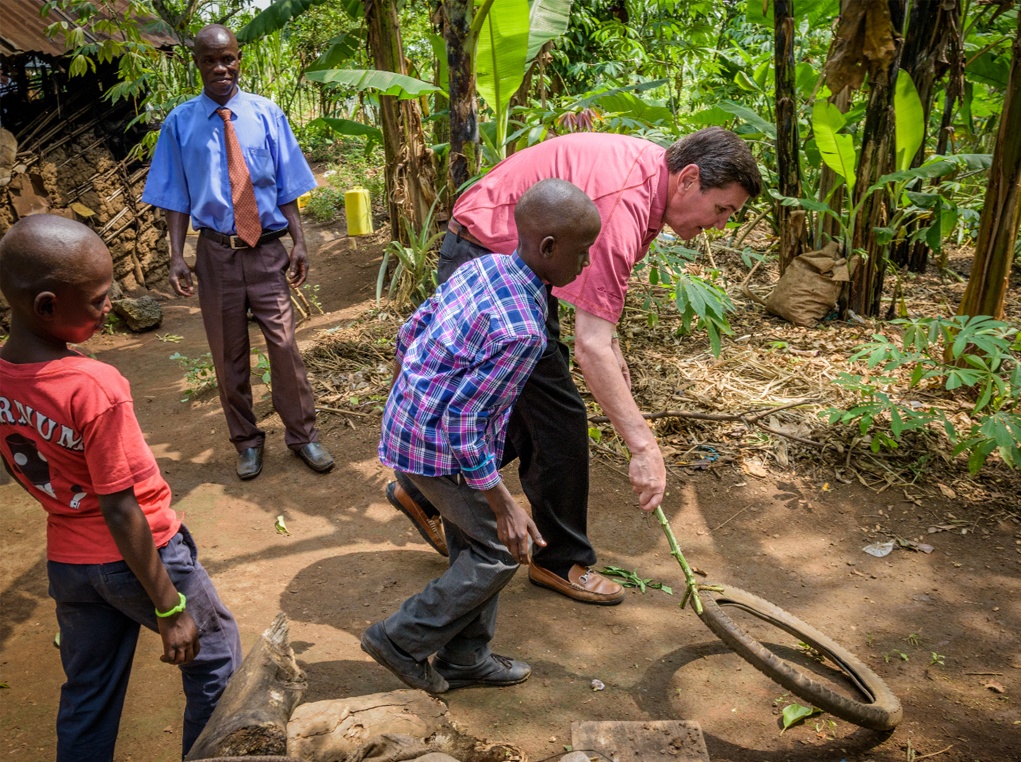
<point x="500" y="59"/>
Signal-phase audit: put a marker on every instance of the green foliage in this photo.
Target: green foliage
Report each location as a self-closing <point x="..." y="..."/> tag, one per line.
<point x="633" y="579"/>
<point x="500" y="60"/>
<point x="795" y="713"/>
<point x="384" y="82"/>
<point x="701" y="303"/>
<point x="323" y="205"/>
<point x="261" y="369"/>
<point x="414" y="277"/>
<point x="909" y="120"/>
<point x="973" y="360"/>
<point x="199" y="373"/>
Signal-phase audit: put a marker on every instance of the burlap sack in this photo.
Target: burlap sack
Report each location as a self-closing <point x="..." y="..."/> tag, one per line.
<point x="808" y="291"/>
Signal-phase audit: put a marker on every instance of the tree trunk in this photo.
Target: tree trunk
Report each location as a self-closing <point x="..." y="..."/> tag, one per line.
<point x="464" y="128"/>
<point x="986" y="292"/>
<point x="251" y="716"/>
<point x="876" y="160"/>
<point x="787" y="142"/>
<point x="931" y="27"/>
<point x="409" y="173"/>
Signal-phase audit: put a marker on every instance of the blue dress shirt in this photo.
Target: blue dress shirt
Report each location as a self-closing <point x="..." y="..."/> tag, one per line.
<point x="188" y="173"/>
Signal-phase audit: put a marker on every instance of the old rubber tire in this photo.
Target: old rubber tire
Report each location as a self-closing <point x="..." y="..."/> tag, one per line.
<point x="880" y="710"/>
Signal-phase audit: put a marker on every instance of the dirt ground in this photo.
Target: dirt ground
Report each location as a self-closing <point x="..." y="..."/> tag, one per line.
<point x="941" y="629"/>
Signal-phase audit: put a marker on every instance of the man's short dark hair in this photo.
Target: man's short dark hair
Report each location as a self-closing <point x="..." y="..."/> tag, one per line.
<point x="722" y="158"/>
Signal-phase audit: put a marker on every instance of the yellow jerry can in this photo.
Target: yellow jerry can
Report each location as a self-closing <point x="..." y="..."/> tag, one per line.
<point x="358" y="207"/>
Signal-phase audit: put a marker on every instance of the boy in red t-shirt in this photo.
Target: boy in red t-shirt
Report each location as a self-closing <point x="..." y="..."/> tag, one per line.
<point x="117" y="555"/>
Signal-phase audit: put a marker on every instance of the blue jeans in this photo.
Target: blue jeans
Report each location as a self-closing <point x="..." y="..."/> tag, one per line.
<point x="100" y="608"/>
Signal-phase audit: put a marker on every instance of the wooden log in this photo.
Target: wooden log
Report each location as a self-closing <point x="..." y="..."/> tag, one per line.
<point x="252" y="715"/>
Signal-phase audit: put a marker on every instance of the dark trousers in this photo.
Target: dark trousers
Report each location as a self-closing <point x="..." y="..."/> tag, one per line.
<point x="455" y="615"/>
<point x="230" y="282"/>
<point x="548" y="434"/>
<point x="100" y="609"/>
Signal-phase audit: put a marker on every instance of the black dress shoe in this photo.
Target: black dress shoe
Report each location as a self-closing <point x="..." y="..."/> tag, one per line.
<point x="249" y="462"/>
<point x="495" y="672"/>
<point x="417" y="674"/>
<point x="316" y="457"/>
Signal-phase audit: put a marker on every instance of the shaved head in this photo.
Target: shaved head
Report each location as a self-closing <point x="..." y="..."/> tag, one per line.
<point x="45" y="252"/>
<point x="557" y="224"/>
<point x="556" y="208"/>
<point x="214" y="35"/>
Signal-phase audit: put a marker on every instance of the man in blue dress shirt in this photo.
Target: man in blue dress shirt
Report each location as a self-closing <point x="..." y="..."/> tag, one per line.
<point x="214" y="153"/>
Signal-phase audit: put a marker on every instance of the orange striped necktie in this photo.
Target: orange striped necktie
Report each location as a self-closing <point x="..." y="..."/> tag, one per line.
<point x="246" y="210"/>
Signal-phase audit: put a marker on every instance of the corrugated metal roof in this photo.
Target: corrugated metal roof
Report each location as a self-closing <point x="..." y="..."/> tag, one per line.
<point x="23" y="30"/>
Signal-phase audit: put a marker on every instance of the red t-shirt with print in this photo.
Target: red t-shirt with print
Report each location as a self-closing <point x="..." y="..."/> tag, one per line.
<point x="68" y="432"/>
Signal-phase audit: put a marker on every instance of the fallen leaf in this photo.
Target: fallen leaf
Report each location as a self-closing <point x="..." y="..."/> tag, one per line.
<point x="947" y="492"/>
<point x="281" y="527"/>
<point x="995" y="687"/>
<point x="794" y="713"/>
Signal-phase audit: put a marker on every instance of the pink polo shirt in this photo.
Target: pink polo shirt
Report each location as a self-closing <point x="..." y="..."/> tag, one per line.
<point x="626" y="177"/>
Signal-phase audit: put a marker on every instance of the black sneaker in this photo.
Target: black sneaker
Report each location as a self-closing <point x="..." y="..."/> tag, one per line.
<point x="417" y="674"/>
<point x="496" y="671"/>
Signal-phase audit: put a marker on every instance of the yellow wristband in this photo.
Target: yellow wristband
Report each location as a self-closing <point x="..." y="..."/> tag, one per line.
<point x="176" y="610"/>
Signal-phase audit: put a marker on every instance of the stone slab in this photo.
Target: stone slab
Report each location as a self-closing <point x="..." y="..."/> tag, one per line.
<point x="652" y="741"/>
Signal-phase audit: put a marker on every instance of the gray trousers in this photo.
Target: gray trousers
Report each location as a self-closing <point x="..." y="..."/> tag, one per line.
<point x="230" y="282"/>
<point x="455" y="615"/>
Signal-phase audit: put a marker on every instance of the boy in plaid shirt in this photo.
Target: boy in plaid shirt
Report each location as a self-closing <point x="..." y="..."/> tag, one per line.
<point x="462" y="360"/>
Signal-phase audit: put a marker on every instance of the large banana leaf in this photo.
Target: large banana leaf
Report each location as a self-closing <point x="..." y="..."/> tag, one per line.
<point x="546" y="21"/>
<point x="273" y="18"/>
<point x="349" y="127"/>
<point x="340" y="50"/>
<point x="766" y="128"/>
<point x="386" y="82"/>
<point x="910" y="120"/>
<point x="837" y="150"/>
<point x="634" y="108"/>
<point x="439" y="46"/>
<point x="500" y="58"/>
<point x="591" y="97"/>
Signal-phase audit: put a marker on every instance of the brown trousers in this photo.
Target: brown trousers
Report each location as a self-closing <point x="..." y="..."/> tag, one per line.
<point x="230" y="282"/>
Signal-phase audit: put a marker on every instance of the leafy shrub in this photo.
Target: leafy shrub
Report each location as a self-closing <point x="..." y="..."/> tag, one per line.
<point x="323" y="205"/>
<point x="701" y="303"/>
<point x="414" y="277"/>
<point x="961" y="359"/>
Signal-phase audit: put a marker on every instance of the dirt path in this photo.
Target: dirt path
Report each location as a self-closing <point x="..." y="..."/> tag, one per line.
<point x="939" y="628"/>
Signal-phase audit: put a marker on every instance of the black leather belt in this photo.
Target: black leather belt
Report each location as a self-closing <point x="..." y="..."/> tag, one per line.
<point x="234" y="242"/>
<point x="461" y="231"/>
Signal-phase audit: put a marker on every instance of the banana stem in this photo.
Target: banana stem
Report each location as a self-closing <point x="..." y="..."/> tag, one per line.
<point x="691" y="591"/>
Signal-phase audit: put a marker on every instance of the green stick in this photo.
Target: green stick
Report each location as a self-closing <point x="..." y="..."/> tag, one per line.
<point x="691" y="585"/>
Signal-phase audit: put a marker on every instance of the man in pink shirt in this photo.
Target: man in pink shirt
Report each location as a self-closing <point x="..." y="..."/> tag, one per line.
<point x="637" y="186"/>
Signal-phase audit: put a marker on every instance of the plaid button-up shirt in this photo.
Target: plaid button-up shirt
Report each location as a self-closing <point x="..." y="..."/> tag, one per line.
<point x="465" y="355"/>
